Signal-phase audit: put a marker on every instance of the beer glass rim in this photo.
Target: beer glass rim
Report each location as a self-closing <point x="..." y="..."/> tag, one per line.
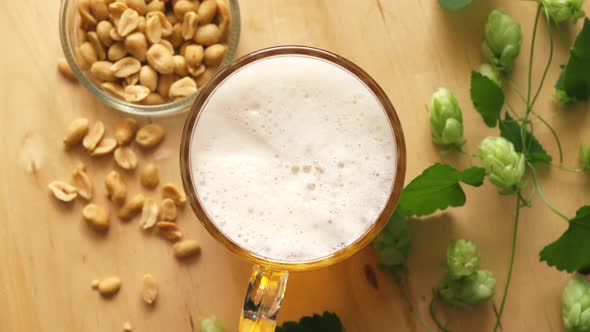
<point x="190" y="186"/>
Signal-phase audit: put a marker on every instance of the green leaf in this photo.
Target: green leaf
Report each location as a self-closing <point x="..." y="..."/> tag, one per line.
<point x="487" y="98"/>
<point x="571" y="252"/>
<point x="454" y="5"/>
<point x="437" y="188"/>
<point x="575" y="76"/>
<point x="328" y="322"/>
<point x="510" y="129"/>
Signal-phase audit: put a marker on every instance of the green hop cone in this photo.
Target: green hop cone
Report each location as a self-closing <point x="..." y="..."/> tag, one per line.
<point x="491" y="72"/>
<point x="563" y="99"/>
<point x="584" y="153"/>
<point x="504" y="166"/>
<point x="463" y="293"/>
<point x="393" y="244"/>
<point x="503" y="39"/>
<point x="562" y="10"/>
<point x="462" y="258"/>
<point x="575" y="305"/>
<point x="446" y="120"/>
<point x="210" y="324"/>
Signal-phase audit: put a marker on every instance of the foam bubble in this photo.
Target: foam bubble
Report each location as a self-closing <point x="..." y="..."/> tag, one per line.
<point x="296" y="156"/>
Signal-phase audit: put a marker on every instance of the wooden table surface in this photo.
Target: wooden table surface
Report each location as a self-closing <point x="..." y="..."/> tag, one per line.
<point x="48" y="256"/>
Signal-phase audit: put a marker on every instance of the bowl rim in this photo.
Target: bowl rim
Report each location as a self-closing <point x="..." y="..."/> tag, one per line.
<point x="166" y="109"/>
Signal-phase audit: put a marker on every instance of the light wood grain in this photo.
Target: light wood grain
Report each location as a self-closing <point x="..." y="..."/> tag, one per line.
<point x="48" y="256"/>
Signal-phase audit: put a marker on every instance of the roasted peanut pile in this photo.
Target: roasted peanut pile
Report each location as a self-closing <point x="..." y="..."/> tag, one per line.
<point x="158" y="214"/>
<point x="151" y="51"/>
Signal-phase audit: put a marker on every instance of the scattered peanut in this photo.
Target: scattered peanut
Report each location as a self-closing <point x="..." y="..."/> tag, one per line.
<point x="63" y="191"/>
<point x="75" y="132"/>
<point x="94" y="283"/>
<point x="186" y="249"/>
<point x="125" y="131"/>
<point x="149" y="176"/>
<point x="94" y="136"/>
<point x="169" y="230"/>
<point x="125" y="158"/>
<point x="105" y="147"/>
<point x="167" y="210"/>
<point x="149" y="135"/>
<point x="64" y="68"/>
<point x="82" y="182"/>
<point x="127" y="327"/>
<point x="109" y="286"/>
<point x="116" y="188"/>
<point x="132" y="208"/>
<point x="149" y="213"/>
<point x="172" y="192"/>
<point x="96" y="216"/>
<point x="149" y="288"/>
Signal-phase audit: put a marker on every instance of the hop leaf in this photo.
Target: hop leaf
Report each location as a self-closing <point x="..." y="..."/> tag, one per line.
<point x="562" y="10"/>
<point x="575" y="305"/>
<point x="462" y="258"/>
<point x="585" y="157"/>
<point x="503" y="39"/>
<point x="446" y="120"/>
<point x="504" y="166"/>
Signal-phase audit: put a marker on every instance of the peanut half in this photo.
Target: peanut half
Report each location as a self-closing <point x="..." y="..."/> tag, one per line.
<point x="169" y="230"/>
<point x="182" y="88"/>
<point x="186" y="249"/>
<point x="75" y="132"/>
<point x="64" y="68"/>
<point x="167" y="210"/>
<point x="109" y="286"/>
<point x="125" y="131"/>
<point x="94" y="136"/>
<point x="136" y="93"/>
<point x="82" y="182"/>
<point x="150" y="135"/>
<point x="132" y="208"/>
<point x="116" y="188"/>
<point x="105" y="147"/>
<point x="149" y="214"/>
<point x="96" y="216"/>
<point x="125" y="158"/>
<point x="172" y="192"/>
<point x="149" y="288"/>
<point x="149" y="176"/>
<point x="63" y="191"/>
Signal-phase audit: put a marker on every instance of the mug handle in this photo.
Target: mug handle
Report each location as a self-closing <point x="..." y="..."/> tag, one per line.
<point x="263" y="300"/>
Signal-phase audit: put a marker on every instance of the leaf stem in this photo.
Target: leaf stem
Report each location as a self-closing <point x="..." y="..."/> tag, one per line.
<point x="514" y="87"/>
<point x="538" y="187"/>
<point x="530" y="77"/>
<point x="402" y="290"/>
<point x="440" y="326"/>
<point x="548" y="61"/>
<point x="568" y="169"/>
<point x="511" y="266"/>
<point x="554" y="133"/>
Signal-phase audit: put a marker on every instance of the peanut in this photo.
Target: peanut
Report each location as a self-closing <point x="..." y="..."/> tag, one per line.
<point x="175" y="37"/>
<point x="99" y="9"/>
<point x="94" y="136"/>
<point x="135" y="93"/>
<point x="105" y="147"/>
<point x="63" y="191"/>
<point x="198" y="71"/>
<point x="205" y="76"/>
<point x="168" y="45"/>
<point x="138" y="5"/>
<point x="206" y="12"/>
<point x="169" y="230"/>
<point x="186" y="249"/>
<point x="149" y="214"/>
<point x="97" y="45"/>
<point x="116" y="52"/>
<point x="115" y="35"/>
<point x="64" y="68"/>
<point x="132" y="208"/>
<point x="82" y="182"/>
<point x="156" y="6"/>
<point x="166" y="25"/>
<point x="149" y="135"/>
<point x="180" y="67"/>
<point x="194" y="55"/>
<point x="94" y="283"/>
<point x="103" y="30"/>
<point x="131" y="80"/>
<point x="182" y="88"/>
<point x="141" y="24"/>
<point x="149" y="289"/>
<point x="189" y="25"/>
<point x="87" y="55"/>
<point x="116" y="10"/>
<point x="114" y="89"/>
<point x="109" y="286"/>
<point x="102" y="71"/>
<point x="127" y="22"/>
<point x="137" y="45"/>
<point x="126" y="66"/>
<point x="153" y="29"/>
<point x="167" y="210"/>
<point x="149" y="176"/>
<point x="208" y="34"/>
<point x="127" y="327"/>
<point x="224" y="17"/>
<point x="86" y="12"/>
<point x="160" y="58"/>
<point x="172" y="192"/>
<point x="116" y="188"/>
<point x="182" y="7"/>
<point x="125" y="131"/>
<point x="153" y="99"/>
<point x="75" y="132"/>
<point x="214" y="54"/>
<point x="96" y="217"/>
<point x="148" y="77"/>
<point x="125" y="158"/>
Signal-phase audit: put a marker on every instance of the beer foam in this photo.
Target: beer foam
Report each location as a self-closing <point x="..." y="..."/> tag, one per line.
<point x="293" y="158"/>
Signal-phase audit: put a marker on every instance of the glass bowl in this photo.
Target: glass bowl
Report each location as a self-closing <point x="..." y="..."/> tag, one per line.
<point x="69" y="20"/>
